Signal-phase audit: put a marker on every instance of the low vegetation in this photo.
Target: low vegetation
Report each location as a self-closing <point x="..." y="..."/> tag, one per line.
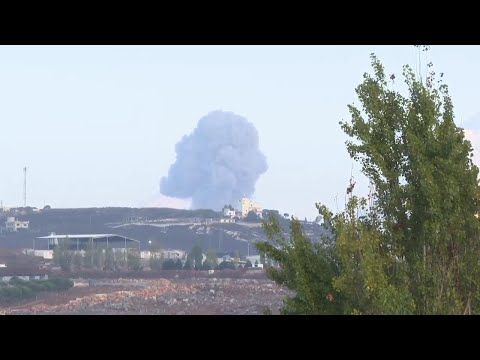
<point x="96" y="259"/>
<point x="17" y="289"/>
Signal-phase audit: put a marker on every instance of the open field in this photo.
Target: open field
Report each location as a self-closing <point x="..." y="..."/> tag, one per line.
<point x="176" y="295"/>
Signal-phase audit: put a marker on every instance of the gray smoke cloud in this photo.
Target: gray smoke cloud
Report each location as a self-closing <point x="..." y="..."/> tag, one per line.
<point x="217" y="164"/>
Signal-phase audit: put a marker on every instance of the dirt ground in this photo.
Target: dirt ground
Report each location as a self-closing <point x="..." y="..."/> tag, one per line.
<point x="215" y="294"/>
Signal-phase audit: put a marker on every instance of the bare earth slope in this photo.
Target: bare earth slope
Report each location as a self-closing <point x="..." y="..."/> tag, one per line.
<point x="176" y="296"/>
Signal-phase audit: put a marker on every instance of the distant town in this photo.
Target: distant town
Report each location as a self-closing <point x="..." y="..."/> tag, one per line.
<point x="38" y="243"/>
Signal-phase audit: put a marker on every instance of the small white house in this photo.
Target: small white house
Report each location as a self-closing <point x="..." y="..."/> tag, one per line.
<point x="173" y="254"/>
<point x="229" y="212"/>
<point x="13" y="225"/>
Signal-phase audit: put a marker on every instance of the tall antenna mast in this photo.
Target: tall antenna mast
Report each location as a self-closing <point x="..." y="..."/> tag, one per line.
<point x="25" y="186"/>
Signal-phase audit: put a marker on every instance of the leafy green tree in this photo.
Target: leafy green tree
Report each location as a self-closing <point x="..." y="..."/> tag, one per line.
<point x="425" y="183"/>
<point x="207" y="266"/>
<point x="169" y="264"/>
<point x="62" y="255"/>
<point x="412" y="247"/>
<point x="252" y="217"/>
<point x="196" y="257"/>
<point x="57" y="254"/>
<point x="88" y="258"/>
<point x="77" y="261"/>
<point x="19" y="289"/>
<point x="188" y="264"/>
<point x="306" y="268"/>
<point x="98" y="258"/>
<point x="226" y="265"/>
<point x="210" y="262"/>
<point x="372" y="280"/>
<point x="109" y="260"/>
<point x="178" y="264"/>
<point x="134" y="261"/>
<point x="120" y="259"/>
<point x="156" y="260"/>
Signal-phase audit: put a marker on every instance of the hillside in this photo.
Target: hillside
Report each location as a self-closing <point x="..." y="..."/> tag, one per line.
<point x="165" y="228"/>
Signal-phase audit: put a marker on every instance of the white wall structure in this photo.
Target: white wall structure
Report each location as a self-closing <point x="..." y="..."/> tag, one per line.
<point x="230" y="221"/>
<point x="46" y="254"/>
<point x="145" y="254"/>
<point x="228" y="212"/>
<point x="173" y="254"/>
<point x="250" y="205"/>
<point x="254" y="258"/>
<point x="13" y="225"/>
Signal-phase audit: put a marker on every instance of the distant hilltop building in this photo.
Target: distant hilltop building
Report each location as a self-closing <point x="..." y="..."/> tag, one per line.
<point x="229" y="211"/>
<point x="13" y="225"/>
<point x="250" y="205"/>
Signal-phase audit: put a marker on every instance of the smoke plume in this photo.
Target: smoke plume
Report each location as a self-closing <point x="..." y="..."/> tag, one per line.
<point x="217" y="164"/>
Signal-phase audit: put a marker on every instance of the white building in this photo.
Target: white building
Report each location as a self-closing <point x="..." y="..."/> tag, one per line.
<point x="173" y="254"/>
<point x="250" y="205"/>
<point x="46" y="254"/>
<point x="228" y="212"/>
<point x="230" y="221"/>
<point x="163" y="254"/>
<point x="254" y="259"/>
<point x="12" y="225"/>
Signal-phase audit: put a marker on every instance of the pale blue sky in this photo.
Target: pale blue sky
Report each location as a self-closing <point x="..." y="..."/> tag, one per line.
<point x="97" y="125"/>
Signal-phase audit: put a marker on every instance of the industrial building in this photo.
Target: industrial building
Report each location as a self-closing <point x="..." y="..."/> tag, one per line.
<point x="87" y="241"/>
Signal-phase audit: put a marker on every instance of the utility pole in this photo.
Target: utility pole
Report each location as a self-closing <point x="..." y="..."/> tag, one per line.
<point x="25" y="186"/>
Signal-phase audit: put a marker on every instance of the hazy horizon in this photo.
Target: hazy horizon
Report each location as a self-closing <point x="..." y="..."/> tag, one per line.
<point x="97" y="125"/>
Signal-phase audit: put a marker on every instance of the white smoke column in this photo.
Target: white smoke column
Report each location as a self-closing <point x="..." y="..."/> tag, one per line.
<point x="217" y="164"/>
